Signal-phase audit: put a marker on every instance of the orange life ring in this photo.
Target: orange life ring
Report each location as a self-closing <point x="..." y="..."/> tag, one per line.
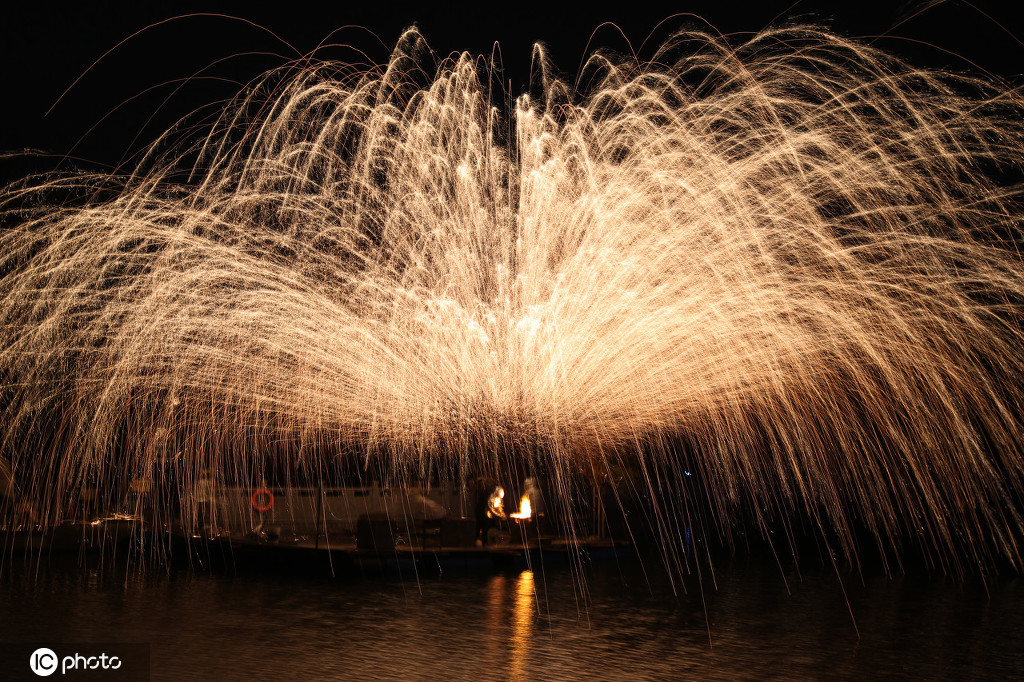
<point x="269" y="500"/>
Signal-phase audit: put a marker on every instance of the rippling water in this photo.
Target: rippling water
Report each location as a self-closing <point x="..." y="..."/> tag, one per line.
<point x="621" y="621"/>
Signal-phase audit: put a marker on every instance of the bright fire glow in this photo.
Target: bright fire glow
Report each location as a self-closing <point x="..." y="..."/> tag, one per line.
<point x="525" y="511"/>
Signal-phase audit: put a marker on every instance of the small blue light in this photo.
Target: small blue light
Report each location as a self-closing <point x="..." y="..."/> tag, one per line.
<point x="688" y="473"/>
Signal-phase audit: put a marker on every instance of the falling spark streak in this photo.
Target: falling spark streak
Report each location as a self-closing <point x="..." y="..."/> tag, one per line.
<point x="789" y="265"/>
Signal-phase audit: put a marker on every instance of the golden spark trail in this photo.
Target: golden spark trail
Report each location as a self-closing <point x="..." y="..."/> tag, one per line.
<point x="795" y="259"/>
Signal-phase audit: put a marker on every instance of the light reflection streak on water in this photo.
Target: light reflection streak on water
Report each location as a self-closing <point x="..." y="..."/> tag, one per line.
<point x="522" y="625"/>
<point x="496" y="615"/>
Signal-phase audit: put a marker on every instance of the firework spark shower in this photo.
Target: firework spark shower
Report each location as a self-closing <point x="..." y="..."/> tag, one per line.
<point x="790" y="263"/>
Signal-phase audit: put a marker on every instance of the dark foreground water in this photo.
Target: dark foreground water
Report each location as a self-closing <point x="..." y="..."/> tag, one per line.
<point x="515" y="624"/>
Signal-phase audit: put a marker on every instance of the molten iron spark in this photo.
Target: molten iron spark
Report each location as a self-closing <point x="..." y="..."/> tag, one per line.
<point x="790" y="265"/>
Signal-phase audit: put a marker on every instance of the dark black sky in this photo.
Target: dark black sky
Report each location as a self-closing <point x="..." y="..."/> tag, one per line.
<point x="46" y="47"/>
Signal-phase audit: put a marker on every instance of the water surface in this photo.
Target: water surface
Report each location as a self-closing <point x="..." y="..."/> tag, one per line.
<point x="616" y="620"/>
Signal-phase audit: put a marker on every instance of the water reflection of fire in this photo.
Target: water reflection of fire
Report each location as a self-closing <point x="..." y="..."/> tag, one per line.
<point x="525" y="510"/>
<point x="522" y="626"/>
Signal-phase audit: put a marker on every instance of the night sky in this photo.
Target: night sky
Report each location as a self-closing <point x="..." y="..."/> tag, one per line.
<point x="46" y="48"/>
